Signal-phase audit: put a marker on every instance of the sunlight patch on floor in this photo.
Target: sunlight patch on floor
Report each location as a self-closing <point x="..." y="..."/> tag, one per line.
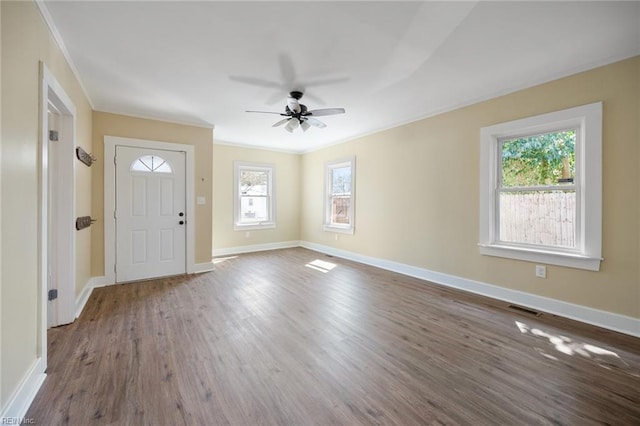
<point x="604" y="357"/>
<point x="321" y="265"/>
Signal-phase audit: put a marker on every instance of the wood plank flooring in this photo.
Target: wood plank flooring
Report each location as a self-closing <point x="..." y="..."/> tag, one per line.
<point x="294" y="337"/>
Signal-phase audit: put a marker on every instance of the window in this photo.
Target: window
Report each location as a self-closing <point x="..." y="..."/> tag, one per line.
<point x="541" y="188"/>
<point x="339" y="196"/>
<point x="536" y="189"/>
<point x="151" y="164"/>
<point x="254" y="206"/>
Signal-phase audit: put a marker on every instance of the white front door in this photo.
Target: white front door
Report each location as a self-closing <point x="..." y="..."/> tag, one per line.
<point x="150" y="213"/>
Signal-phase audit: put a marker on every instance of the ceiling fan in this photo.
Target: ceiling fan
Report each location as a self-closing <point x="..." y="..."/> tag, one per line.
<point x="297" y="114"/>
<point x="288" y="80"/>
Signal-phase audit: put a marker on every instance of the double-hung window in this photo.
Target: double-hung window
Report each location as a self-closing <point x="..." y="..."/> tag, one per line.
<point x="339" y="193"/>
<point x="254" y="205"/>
<point x="541" y="188"/>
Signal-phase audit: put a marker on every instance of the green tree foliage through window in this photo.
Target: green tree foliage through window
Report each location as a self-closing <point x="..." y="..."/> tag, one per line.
<point x="545" y="159"/>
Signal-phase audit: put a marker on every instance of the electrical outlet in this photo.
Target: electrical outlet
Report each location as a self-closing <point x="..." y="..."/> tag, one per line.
<point x="336" y="237"/>
<point x="247" y="234"/>
<point x="541" y="271"/>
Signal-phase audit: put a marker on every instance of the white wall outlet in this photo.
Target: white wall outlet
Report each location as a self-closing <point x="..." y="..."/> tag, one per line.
<point x="200" y="200"/>
<point x="336" y="237"/>
<point x="541" y="271"/>
<point x="247" y="234"/>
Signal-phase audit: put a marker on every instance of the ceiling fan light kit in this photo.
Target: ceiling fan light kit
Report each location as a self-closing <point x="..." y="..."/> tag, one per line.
<point x="297" y="114"/>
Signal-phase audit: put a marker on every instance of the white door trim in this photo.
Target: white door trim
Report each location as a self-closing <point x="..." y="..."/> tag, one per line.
<point x="52" y="92"/>
<point x="110" y="143"/>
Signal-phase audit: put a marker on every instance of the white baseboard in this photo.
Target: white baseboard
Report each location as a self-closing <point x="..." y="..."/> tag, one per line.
<point x="101" y="281"/>
<point x="23" y="396"/>
<point x="608" y="320"/>
<point x="255" y="247"/>
<point x="202" y="267"/>
<point x="83" y="297"/>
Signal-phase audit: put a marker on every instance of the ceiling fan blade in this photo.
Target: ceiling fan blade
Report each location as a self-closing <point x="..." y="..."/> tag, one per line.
<point x="305" y="126"/>
<point x="281" y="122"/>
<point x="269" y="112"/>
<point x="277" y="97"/>
<point x="316" y="123"/>
<point x="256" y="81"/>
<point x="325" y="111"/>
<point x="286" y="68"/>
<point x="326" y="81"/>
<point x="314" y="98"/>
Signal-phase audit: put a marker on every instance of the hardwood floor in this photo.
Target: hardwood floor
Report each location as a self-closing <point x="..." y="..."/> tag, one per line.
<point x="276" y="338"/>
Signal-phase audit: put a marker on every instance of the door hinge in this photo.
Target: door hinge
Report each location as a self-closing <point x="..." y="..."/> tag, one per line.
<point x="53" y="135"/>
<point x="115" y="161"/>
<point x="53" y="294"/>
<point x="115" y="268"/>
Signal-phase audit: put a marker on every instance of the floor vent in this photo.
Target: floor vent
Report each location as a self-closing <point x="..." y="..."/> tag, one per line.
<point x="525" y="310"/>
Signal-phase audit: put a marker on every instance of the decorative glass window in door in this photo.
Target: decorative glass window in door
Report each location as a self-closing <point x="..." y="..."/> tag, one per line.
<point x="151" y="164"/>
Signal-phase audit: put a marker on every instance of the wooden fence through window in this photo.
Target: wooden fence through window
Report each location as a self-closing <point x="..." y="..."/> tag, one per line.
<point x="546" y="218"/>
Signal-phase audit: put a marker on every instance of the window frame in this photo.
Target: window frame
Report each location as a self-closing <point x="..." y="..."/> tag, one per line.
<point x="238" y="168"/>
<point x="587" y="121"/>
<point x="328" y="185"/>
<point x="575" y="186"/>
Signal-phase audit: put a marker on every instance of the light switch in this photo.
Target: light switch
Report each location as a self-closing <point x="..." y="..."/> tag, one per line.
<point x="200" y="200"/>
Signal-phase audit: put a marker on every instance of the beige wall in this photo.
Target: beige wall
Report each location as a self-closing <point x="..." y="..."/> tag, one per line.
<point x="106" y="124"/>
<point x="287" y="187"/>
<point x="26" y="41"/>
<point x="417" y="192"/>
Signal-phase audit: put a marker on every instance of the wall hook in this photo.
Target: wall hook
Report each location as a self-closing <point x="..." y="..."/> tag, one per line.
<point x="84" y="156"/>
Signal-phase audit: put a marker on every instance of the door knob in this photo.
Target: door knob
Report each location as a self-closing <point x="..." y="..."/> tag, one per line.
<point x="181" y="222"/>
<point x="180" y="214"/>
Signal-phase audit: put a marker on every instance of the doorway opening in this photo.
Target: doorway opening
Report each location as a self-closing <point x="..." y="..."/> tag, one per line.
<point x="57" y="207"/>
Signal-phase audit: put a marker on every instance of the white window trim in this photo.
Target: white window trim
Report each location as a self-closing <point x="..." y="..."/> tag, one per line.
<point x="328" y="226"/>
<point x="271" y="223"/>
<point x="588" y="179"/>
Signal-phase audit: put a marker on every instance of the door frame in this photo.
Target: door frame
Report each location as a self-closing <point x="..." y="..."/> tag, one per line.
<point x="110" y="143"/>
<point x="64" y="183"/>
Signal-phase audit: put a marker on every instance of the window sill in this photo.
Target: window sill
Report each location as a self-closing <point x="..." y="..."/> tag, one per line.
<point x="339" y="229"/>
<point x="570" y="260"/>
<point x="253" y="226"/>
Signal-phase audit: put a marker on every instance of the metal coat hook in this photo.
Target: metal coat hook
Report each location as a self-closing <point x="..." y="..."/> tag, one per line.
<point x="85" y="157"/>
<point x="84" y="222"/>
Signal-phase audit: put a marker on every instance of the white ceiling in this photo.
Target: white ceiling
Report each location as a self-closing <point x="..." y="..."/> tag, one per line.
<point x="386" y="63"/>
